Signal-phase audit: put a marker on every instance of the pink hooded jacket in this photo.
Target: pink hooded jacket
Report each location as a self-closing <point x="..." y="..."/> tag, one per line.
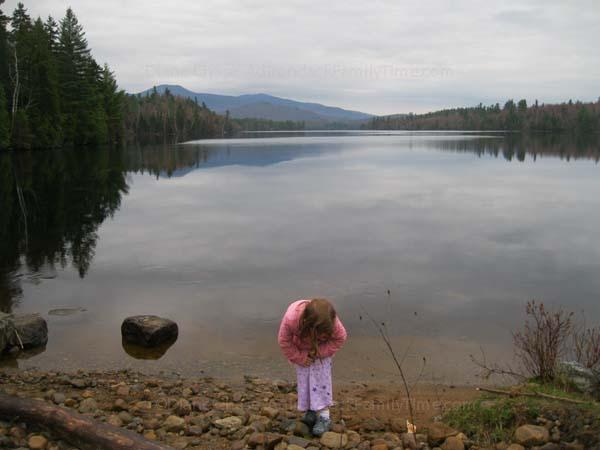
<point x="294" y="348"/>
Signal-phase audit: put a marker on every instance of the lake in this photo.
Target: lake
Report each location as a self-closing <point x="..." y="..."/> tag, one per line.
<point x="442" y="236"/>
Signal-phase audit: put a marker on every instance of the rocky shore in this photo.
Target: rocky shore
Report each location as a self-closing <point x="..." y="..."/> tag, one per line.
<point x="203" y="413"/>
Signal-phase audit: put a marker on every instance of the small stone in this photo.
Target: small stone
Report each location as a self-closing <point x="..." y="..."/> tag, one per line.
<point x="114" y="420"/>
<point x="438" y="432"/>
<point x="37" y="442"/>
<point x="298" y="441"/>
<point x="150" y="435"/>
<point x="123" y="391"/>
<point x="515" y="447"/>
<point x="125" y="417"/>
<point x="334" y="440"/>
<point x="270" y="412"/>
<point x="174" y="423"/>
<point x="230" y="423"/>
<point x="380" y="446"/>
<point x="453" y="443"/>
<point x="143" y="405"/>
<point x="182" y="407"/>
<point x="58" y="398"/>
<point x="120" y="405"/>
<point x="529" y="435"/>
<point x="87" y="394"/>
<point x="88" y="405"/>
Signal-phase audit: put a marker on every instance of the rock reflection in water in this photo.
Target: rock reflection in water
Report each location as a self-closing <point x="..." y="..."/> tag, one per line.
<point x="153" y="353"/>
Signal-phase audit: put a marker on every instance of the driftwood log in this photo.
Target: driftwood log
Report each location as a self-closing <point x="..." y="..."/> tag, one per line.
<point x="533" y="394"/>
<point x="75" y="428"/>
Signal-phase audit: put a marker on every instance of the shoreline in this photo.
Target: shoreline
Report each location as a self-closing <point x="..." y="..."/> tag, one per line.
<point x="143" y="403"/>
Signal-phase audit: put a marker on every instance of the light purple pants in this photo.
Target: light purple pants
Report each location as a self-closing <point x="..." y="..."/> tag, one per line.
<point x="314" y="385"/>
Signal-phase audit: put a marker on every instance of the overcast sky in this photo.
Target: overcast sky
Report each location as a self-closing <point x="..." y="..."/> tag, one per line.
<point x="380" y="57"/>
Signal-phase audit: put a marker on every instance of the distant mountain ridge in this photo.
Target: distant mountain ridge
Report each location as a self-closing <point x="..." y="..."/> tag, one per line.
<point x="264" y="106"/>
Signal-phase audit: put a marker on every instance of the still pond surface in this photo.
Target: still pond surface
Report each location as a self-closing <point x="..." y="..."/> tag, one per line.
<point x="461" y="228"/>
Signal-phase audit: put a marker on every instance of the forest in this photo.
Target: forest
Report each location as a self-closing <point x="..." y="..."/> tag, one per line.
<point x="572" y="116"/>
<point x="53" y="93"/>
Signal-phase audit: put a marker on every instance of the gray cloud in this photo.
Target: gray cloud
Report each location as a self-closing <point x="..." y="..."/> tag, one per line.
<point x="384" y="56"/>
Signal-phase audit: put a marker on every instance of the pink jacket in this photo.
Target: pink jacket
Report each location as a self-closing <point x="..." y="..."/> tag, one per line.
<point x="295" y="349"/>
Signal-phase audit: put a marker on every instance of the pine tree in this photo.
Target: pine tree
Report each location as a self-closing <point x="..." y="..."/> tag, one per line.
<point x="113" y="100"/>
<point x="44" y="112"/>
<point x="4" y="121"/>
<point x="73" y="72"/>
<point x="4" y="53"/>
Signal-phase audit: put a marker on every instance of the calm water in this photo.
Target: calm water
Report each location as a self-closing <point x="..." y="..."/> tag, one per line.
<point x="462" y="229"/>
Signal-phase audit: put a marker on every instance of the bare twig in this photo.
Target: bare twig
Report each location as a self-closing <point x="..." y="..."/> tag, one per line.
<point x="386" y="340"/>
<point x="19" y="339"/>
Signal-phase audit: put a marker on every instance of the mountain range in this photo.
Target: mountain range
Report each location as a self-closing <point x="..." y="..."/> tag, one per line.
<point x="264" y="106"/>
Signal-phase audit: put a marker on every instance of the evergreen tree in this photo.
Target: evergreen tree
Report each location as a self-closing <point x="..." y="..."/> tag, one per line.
<point x="73" y="61"/>
<point x="4" y="53"/>
<point x="44" y="112"/>
<point x="4" y="121"/>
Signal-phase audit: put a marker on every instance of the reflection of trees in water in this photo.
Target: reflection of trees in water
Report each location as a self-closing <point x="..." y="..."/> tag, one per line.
<point x="67" y="195"/>
<point x="164" y="159"/>
<point x="518" y="146"/>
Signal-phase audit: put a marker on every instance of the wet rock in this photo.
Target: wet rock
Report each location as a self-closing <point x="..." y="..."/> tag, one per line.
<point x="32" y="331"/>
<point x="515" y="447"/>
<point x="529" y="435"/>
<point x="182" y="407"/>
<point x="148" y="331"/>
<point x="334" y="440"/>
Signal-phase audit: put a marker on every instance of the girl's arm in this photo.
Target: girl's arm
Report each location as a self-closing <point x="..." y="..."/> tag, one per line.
<point x="335" y="343"/>
<point x="286" y="343"/>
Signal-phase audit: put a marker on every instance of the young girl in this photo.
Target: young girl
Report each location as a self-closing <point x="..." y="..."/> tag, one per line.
<point x="309" y="335"/>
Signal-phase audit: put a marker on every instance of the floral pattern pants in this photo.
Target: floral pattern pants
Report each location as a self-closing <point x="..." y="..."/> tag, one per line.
<point x="314" y="385"/>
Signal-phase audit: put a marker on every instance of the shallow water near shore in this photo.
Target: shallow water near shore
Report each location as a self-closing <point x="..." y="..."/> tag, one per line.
<point x="441" y="236"/>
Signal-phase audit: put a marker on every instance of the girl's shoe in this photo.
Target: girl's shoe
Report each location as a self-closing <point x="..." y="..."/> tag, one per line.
<point x="321" y="426"/>
<point x="310" y="418"/>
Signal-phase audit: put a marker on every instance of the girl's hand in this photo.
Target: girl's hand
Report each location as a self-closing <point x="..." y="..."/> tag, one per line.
<point x="308" y="361"/>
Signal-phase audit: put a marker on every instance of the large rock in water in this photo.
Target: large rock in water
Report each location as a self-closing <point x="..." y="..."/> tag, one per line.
<point x="148" y="331"/>
<point x="32" y="331"/>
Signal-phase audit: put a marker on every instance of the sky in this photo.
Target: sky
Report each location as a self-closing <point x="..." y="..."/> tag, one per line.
<point x="381" y="56"/>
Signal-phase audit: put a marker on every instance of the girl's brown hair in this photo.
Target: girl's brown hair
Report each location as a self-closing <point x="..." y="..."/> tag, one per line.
<point x="317" y="321"/>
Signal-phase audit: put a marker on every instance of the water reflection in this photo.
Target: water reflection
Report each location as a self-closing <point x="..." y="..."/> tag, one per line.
<point x="149" y="353"/>
<point x="221" y="233"/>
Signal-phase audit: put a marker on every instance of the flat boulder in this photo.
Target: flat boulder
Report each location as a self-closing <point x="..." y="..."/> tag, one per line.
<point x="148" y="331"/>
<point x="31" y="331"/>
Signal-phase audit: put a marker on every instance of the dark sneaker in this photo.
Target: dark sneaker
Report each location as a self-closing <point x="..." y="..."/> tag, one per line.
<point x="321" y="426"/>
<point x="310" y="418"/>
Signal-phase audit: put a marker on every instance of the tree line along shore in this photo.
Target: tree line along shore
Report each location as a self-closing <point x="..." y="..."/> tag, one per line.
<point x="53" y="93"/>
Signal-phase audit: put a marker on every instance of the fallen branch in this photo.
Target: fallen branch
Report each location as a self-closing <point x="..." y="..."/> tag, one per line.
<point x="76" y="428"/>
<point x="19" y="339"/>
<point x="532" y="394"/>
